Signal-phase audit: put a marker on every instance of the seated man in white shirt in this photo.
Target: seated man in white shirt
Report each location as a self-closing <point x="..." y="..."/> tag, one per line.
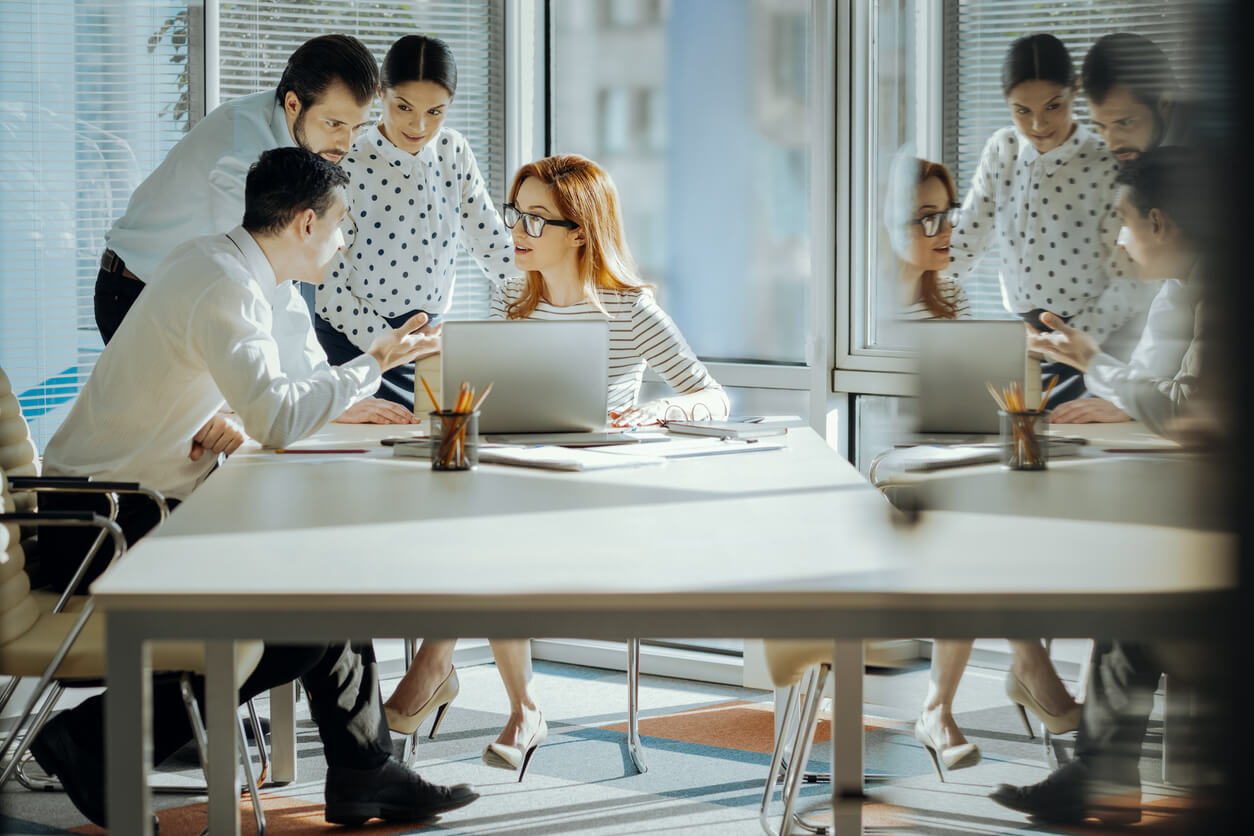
<point x="1163" y="232"/>
<point x="204" y="337"/>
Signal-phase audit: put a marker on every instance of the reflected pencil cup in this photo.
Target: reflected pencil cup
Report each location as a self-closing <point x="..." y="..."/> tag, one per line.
<point x="1024" y="441"/>
<point x="454" y="440"/>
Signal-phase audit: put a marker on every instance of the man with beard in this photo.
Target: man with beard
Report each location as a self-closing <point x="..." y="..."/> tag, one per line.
<point x="322" y="102"/>
<point x="1132" y="94"/>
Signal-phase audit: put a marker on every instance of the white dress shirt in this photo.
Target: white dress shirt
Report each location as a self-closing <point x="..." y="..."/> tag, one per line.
<point x="641" y="334"/>
<point x="1162" y="371"/>
<point x="407" y="214"/>
<point x="208" y="334"/>
<point x="1051" y="220"/>
<point x="199" y="187"/>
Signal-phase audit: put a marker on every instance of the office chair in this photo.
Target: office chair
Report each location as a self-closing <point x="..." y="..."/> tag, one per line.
<point x="66" y="648"/>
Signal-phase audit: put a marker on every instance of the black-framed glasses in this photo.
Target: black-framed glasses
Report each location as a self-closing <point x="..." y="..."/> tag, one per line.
<point x="533" y="225"/>
<point x="932" y="223"/>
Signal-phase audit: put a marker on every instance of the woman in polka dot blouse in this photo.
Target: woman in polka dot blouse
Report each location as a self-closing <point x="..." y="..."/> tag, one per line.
<point x="416" y="195"/>
<point x="1043" y="199"/>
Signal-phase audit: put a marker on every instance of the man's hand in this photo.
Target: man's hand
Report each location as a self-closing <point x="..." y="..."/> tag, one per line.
<point x="1088" y="411"/>
<point x="377" y="411"/>
<point x="223" y="434"/>
<point x="412" y="341"/>
<point x="1064" y="344"/>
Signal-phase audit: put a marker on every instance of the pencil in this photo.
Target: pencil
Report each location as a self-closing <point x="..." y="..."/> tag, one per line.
<point x="482" y="396"/>
<point x="430" y="394"/>
<point x="288" y="450"/>
<point x="1053" y="381"/>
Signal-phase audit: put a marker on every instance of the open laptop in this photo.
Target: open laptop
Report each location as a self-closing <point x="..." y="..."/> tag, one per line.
<point x="955" y="358"/>
<point x="547" y="377"/>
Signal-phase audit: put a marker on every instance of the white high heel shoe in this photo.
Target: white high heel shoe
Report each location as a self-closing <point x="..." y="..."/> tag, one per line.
<point x="928" y="731"/>
<point x="518" y="757"/>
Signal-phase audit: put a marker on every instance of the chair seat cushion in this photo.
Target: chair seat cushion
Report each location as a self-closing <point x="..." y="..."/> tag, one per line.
<point x="787" y="660"/>
<point x="29" y="653"/>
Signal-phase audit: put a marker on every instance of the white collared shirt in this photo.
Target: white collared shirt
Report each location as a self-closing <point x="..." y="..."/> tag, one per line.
<point x="1051" y="220"/>
<point x="199" y="187"/>
<point x="1162" y="371"/>
<point x="215" y="330"/>
<point x="407" y="214"/>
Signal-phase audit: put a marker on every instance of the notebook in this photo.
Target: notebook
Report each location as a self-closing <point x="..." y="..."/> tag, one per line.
<point x="547" y="377"/>
<point x="955" y="359"/>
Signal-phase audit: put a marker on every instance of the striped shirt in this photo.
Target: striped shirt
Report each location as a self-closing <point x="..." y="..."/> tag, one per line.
<point x="952" y="292"/>
<point x="640" y="333"/>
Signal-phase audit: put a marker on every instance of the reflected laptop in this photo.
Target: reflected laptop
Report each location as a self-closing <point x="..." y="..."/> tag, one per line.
<point x="547" y="377"/>
<point x="954" y="360"/>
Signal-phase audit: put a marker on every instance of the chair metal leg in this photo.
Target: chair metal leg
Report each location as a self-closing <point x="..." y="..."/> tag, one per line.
<point x="255" y="722"/>
<point x="15" y="767"/>
<point x="803" y="742"/>
<point x="777" y="759"/>
<point x="259" y="815"/>
<point x="634" y="747"/>
<point x="411" y="740"/>
<point x="7" y="693"/>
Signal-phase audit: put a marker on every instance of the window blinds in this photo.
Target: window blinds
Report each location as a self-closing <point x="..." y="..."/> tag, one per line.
<point x="92" y="95"/>
<point x="977" y="34"/>
<point x="255" y="39"/>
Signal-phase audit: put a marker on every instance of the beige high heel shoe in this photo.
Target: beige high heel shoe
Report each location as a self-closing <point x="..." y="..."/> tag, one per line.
<point x="439" y="702"/>
<point x="928" y="731"/>
<point x="518" y="757"/>
<point x="1068" y="721"/>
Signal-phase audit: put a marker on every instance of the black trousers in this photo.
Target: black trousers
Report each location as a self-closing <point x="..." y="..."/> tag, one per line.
<point x="341" y="679"/>
<point x="397" y="385"/>
<point x="115" y="294"/>
<point x="1070" y="384"/>
<point x="1120" y="699"/>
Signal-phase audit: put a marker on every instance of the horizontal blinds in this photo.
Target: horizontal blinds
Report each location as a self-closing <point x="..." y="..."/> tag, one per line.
<point x="256" y="38"/>
<point x="92" y="95"/>
<point x="977" y="34"/>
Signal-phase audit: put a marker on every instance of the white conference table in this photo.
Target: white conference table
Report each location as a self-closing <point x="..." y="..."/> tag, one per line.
<point x="775" y="544"/>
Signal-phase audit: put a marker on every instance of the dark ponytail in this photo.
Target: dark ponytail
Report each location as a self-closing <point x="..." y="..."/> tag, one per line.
<point x="420" y="58"/>
<point x="1036" y="58"/>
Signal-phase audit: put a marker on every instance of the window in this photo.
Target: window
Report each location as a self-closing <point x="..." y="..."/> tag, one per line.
<point x="255" y="39"/>
<point x="91" y="98"/>
<point x="700" y="111"/>
<point x="932" y="85"/>
<point x="977" y="33"/>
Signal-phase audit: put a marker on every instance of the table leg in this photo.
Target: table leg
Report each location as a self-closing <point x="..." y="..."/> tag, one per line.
<point x="847" y="769"/>
<point x="128" y="727"/>
<point x="283" y="733"/>
<point x="221" y="705"/>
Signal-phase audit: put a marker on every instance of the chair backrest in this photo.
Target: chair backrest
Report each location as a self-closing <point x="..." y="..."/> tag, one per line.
<point x="17" y="450"/>
<point x="18" y="610"/>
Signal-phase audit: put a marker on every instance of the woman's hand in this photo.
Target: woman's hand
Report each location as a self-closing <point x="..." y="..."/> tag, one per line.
<point x="1088" y="411"/>
<point x="1064" y="344"/>
<point x="651" y="412"/>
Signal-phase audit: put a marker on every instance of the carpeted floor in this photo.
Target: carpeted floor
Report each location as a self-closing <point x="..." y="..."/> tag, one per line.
<point x="708" y="749"/>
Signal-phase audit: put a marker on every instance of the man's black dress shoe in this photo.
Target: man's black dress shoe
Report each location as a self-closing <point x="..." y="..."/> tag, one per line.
<point x="79" y="769"/>
<point x="392" y="792"/>
<point x="1069" y="795"/>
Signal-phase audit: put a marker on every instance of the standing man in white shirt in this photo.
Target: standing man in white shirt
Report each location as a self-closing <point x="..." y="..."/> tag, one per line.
<point x="204" y="336"/>
<point x="322" y="102"/>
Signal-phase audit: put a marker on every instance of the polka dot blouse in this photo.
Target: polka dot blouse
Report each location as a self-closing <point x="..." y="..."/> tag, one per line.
<point x="407" y="215"/>
<point x="1051" y="220"/>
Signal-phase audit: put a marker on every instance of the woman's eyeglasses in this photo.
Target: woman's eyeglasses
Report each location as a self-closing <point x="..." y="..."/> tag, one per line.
<point x="533" y="225"/>
<point x="932" y="223"/>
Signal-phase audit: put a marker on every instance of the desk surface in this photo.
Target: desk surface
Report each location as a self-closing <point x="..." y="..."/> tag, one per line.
<point x="716" y="546"/>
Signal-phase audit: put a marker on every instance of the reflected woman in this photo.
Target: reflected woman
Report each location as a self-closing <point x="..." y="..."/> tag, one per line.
<point x="1043" y="200"/>
<point x="920" y="214"/>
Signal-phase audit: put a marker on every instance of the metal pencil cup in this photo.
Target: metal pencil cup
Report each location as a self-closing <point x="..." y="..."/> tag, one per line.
<point x="454" y="440"/>
<point x="1024" y="443"/>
